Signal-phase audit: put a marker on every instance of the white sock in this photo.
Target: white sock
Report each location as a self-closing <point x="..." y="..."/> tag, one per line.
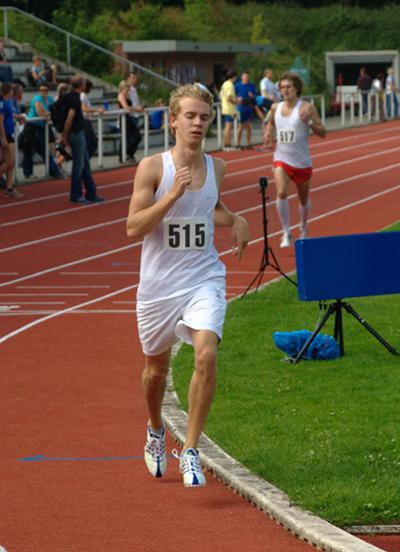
<point x="282" y="206"/>
<point x="303" y="212"/>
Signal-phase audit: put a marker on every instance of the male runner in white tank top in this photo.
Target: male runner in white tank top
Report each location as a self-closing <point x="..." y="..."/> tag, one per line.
<point x="291" y="120"/>
<point x="174" y="207"/>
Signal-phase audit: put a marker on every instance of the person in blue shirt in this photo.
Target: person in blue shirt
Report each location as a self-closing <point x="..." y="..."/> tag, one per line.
<point x="157" y="117"/>
<point x="246" y="95"/>
<point x="35" y="133"/>
<point x="7" y="141"/>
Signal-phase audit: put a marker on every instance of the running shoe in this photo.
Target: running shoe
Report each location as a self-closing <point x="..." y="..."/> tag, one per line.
<point x="303" y="234"/>
<point x="189" y="466"/>
<point x="155" y="455"/>
<point x="286" y="240"/>
<point x="13" y="193"/>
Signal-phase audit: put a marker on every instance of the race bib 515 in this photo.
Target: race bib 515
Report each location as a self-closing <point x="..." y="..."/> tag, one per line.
<point x="181" y="233"/>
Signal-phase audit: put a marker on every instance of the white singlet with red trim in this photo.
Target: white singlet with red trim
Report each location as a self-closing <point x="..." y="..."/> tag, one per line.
<point x="292" y="138"/>
<point x="179" y="254"/>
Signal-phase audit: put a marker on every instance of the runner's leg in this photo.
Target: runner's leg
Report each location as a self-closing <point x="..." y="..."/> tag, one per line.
<point x="202" y="385"/>
<point x="154" y="378"/>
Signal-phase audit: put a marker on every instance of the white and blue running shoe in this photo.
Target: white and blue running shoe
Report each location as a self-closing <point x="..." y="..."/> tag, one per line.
<point x="189" y="466"/>
<point x="155" y="455"/>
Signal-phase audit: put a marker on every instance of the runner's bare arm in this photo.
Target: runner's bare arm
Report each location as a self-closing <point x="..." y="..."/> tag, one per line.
<point x="145" y="214"/>
<point x="224" y="217"/>
<point x="309" y="115"/>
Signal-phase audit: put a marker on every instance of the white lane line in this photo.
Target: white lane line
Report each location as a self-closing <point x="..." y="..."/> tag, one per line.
<point x="328" y="185"/>
<point x="65" y="311"/>
<point x="88" y="311"/>
<point x="64" y="194"/>
<point x="222" y="254"/>
<point x="327" y="214"/>
<point x="123" y="219"/>
<point x="44" y="294"/>
<point x="324" y="154"/>
<point x="35" y="303"/>
<point x="227" y="176"/>
<point x="97" y="273"/>
<point x="72" y="263"/>
<point x="319" y="169"/>
<point x="99" y="255"/>
<point x="63" y="234"/>
<point x="52" y="286"/>
<point x="322" y="143"/>
<point x="63" y="212"/>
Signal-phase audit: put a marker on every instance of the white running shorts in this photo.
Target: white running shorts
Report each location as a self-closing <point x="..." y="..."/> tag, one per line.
<point x="163" y="322"/>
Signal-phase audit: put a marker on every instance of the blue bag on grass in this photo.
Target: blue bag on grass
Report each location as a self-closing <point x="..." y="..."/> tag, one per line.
<point x="323" y="347"/>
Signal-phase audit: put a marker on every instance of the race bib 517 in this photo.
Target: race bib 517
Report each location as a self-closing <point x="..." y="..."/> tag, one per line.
<point x="287" y="136"/>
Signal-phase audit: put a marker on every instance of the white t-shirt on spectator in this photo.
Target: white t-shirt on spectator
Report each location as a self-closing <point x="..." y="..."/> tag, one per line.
<point x="87" y="103"/>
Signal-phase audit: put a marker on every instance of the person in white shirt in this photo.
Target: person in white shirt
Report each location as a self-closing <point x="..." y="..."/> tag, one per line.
<point x="392" y="104"/>
<point x="174" y="207"/>
<point x="137" y="106"/>
<point x="291" y="121"/>
<point x="268" y="88"/>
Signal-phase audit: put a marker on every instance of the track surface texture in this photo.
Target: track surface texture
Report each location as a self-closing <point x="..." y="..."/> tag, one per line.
<point x="73" y="417"/>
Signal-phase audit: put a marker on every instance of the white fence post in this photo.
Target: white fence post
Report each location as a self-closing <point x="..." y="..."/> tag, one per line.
<point x="123" y="137"/>
<point x="146" y="133"/>
<point x="100" y="130"/>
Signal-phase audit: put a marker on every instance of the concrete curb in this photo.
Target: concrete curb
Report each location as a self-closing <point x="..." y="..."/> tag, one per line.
<point x="271" y="500"/>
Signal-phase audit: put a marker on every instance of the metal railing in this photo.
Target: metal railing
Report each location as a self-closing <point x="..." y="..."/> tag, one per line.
<point x="118" y="118"/>
<point x="367" y="107"/>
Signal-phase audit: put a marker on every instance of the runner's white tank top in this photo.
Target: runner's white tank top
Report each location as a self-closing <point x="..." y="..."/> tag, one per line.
<point x="179" y="254"/>
<point x="292" y="138"/>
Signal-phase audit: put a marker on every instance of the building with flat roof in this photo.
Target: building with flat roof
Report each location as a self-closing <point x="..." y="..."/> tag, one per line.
<point x="183" y="60"/>
<point x="345" y="66"/>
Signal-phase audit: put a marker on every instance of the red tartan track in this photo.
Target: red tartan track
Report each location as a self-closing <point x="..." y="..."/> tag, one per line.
<point x="71" y="362"/>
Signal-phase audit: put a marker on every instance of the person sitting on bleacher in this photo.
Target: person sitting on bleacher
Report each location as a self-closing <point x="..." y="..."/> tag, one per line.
<point x="40" y="74"/>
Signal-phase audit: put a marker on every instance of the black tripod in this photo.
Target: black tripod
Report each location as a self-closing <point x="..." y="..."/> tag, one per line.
<point x="265" y="259"/>
<point x="336" y="309"/>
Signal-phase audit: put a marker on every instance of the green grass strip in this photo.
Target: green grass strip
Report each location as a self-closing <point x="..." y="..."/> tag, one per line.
<point x="325" y="432"/>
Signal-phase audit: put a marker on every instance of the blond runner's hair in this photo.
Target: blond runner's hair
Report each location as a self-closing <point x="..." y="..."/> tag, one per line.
<point x="189" y="91"/>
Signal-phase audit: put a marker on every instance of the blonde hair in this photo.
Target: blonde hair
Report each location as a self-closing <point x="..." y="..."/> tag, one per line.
<point x="123" y="84"/>
<point x="188" y="91"/>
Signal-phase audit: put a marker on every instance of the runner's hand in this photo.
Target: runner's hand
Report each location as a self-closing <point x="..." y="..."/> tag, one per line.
<point x="240" y="235"/>
<point x="182" y="180"/>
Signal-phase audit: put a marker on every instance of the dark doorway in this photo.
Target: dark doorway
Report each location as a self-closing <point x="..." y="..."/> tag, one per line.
<point x="350" y="71"/>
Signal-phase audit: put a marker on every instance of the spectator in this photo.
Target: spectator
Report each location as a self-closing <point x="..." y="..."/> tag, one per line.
<point x="133" y="136"/>
<point x="74" y="135"/>
<point x="378" y="86"/>
<point x="58" y="116"/>
<point x="6" y="74"/>
<point x="392" y="104"/>
<point x="40" y="74"/>
<point x="34" y="136"/>
<point x="364" y="86"/>
<point x="3" y="56"/>
<point x="228" y="107"/>
<point x="157" y="117"/>
<point x="88" y="110"/>
<point x="133" y="82"/>
<point x="268" y="88"/>
<point x="246" y="95"/>
<point x="7" y="140"/>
